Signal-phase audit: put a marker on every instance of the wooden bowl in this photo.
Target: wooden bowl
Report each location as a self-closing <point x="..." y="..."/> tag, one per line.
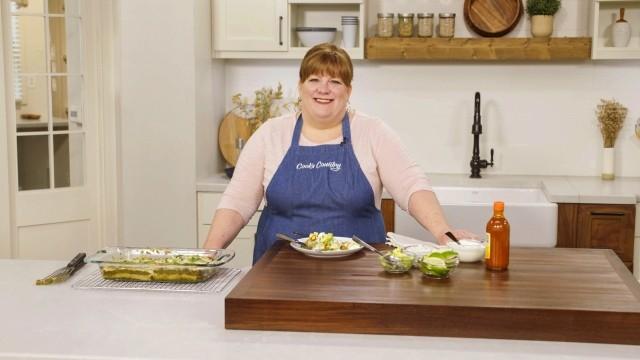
<point x="492" y="18"/>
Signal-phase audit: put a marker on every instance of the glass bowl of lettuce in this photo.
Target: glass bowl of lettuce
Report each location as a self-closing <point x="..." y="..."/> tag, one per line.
<point x="439" y="264"/>
<point x="396" y="261"/>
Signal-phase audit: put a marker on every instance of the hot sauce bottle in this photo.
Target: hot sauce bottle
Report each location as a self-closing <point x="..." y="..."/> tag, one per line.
<point x="497" y="251"/>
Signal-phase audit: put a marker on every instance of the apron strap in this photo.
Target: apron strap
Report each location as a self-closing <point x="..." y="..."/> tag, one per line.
<point x="346" y="130"/>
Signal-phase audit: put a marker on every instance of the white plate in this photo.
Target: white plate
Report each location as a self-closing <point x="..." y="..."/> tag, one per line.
<point x="328" y="253"/>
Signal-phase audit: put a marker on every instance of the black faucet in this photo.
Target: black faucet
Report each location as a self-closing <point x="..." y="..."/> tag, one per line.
<point x="476" y="163"/>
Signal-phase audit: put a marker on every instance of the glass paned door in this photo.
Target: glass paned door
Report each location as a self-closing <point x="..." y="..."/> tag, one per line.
<point x="52" y="62"/>
<point x="46" y="47"/>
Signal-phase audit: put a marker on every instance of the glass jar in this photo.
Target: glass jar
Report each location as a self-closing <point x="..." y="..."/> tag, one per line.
<point x="447" y="25"/>
<point x="405" y="25"/>
<point x="425" y="24"/>
<point x="385" y="24"/>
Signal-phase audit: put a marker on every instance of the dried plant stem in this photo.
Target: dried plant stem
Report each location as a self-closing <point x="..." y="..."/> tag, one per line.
<point x="264" y="106"/>
<point x="611" y="115"/>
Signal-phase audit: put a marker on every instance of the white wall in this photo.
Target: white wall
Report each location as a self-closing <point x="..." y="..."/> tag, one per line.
<point x="161" y="87"/>
<point x="209" y="94"/>
<point x="538" y="116"/>
<point x="5" y="203"/>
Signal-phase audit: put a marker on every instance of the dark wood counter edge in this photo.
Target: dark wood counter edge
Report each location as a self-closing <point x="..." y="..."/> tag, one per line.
<point x="625" y="275"/>
<point x="439" y="321"/>
<point x="464" y="322"/>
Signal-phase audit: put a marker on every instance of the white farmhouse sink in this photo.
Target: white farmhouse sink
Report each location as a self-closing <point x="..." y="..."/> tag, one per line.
<point x="532" y="217"/>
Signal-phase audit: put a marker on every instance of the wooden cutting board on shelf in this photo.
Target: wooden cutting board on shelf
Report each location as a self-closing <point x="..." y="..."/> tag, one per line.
<point x="232" y="128"/>
<point x="492" y="18"/>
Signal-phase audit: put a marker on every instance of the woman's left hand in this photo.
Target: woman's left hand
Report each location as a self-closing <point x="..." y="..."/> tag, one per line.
<point x="459" y="234"/>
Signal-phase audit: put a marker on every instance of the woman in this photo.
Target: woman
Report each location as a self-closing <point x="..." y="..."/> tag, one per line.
<point x="324" y="168"/>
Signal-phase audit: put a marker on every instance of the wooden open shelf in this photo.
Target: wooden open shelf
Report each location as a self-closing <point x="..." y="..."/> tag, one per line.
<point x="483" y="49"/>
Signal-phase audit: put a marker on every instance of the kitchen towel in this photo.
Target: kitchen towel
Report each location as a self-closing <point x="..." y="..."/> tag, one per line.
<point x="403" y="241"/>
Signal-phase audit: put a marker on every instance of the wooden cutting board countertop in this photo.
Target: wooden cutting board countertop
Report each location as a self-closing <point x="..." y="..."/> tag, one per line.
<point x="581" y="295"/>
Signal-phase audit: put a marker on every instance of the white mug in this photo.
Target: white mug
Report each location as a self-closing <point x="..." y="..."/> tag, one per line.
<point x="349" y="35"/>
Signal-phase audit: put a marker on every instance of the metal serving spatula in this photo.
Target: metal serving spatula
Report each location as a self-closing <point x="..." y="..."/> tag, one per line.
<point x="64" y="273"/>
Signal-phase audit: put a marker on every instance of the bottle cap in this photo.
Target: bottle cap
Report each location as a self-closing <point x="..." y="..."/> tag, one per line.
<point x="498" y="206"/>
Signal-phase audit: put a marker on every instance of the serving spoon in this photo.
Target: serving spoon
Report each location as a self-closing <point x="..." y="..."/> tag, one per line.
<point x="364" y="244"/>
<point x="290" y="239"/>
<point x="388" y="256"/>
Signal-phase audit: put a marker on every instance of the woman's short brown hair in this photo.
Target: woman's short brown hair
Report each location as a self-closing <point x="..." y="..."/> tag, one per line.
<point x="327" y="59"/>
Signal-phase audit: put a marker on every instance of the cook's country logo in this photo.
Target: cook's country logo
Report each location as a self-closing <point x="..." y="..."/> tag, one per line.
<point x="332" y="165"/>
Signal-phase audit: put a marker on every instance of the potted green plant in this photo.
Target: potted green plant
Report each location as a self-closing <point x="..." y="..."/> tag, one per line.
<point x="541" y="13"/>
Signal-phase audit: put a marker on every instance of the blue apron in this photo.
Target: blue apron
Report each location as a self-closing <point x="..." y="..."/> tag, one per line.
<point x="319" y="188"/>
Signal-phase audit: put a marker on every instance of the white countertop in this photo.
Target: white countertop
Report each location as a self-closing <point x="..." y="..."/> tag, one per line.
<point x="559" y="189"/>
<point x="60" y="322"/>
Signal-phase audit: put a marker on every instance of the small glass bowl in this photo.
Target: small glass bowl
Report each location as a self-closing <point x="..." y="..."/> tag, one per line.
<point x="399" y="266"/>
<point x="434" y="269"/>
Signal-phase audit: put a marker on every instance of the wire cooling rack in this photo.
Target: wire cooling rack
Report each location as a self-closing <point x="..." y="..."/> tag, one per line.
<point x="216" y="283"/>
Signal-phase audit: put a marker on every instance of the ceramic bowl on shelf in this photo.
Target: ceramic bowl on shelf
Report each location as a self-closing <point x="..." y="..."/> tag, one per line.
<point x="312" y="36"/>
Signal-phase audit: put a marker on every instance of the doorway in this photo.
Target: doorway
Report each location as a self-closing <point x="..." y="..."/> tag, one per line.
<point x="51" y="67"/>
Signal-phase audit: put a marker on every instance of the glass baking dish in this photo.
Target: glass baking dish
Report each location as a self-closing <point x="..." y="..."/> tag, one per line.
<point x="159" y="264"/>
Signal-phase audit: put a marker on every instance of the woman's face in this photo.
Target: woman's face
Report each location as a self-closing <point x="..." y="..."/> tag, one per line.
<point x="324" y="97"/>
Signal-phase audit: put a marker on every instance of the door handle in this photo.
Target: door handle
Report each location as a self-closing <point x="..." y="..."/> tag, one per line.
<point x="594" y="213"/>
<point x="280" y="30"/>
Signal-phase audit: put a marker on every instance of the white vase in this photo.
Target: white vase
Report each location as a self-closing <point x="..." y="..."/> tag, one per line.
<point x="541" y="25"/>
<point x="621" y="34"/>
<point x="608" y="162"/>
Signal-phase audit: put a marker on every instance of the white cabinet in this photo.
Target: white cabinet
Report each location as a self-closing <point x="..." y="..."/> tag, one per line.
<point x="266" y="28"/>
<point x="250" y="25"/>
<point x="243" y="243"/>
<point x="604" y="14"/>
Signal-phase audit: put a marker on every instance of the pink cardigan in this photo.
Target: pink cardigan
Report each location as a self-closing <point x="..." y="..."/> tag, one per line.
<point x="380" y="152"/>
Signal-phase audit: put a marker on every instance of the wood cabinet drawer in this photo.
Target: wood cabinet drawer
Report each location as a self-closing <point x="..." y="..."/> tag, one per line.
<point x="607" y="227"/>
<point x="598" y="226"/>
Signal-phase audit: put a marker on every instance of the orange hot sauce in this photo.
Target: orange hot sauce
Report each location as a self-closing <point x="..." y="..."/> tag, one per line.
<point x="497" y="251"/>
